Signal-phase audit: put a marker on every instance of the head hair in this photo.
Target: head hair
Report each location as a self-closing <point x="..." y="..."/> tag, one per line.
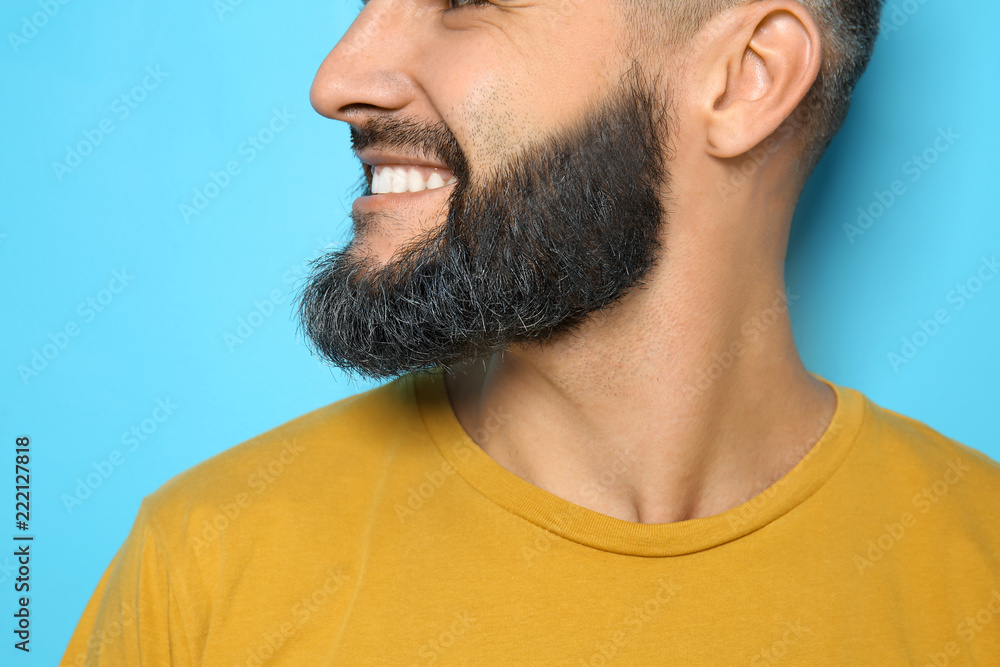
<point x="849" y="31"/>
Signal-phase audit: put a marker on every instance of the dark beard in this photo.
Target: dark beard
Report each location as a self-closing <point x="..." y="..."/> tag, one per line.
<point x="562" y="231"/>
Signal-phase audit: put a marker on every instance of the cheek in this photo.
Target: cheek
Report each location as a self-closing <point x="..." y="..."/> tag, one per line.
<point x="496" y="119"/>
<point x="500" y="95"/>
<point x="495" y="115"/>
<point x="490" y="106"/>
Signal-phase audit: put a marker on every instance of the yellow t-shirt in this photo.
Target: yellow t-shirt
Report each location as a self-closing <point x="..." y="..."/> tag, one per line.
<point x="376" y="532"/>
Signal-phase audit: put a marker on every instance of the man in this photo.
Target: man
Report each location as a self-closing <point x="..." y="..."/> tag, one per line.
<point x="598" y="444"/>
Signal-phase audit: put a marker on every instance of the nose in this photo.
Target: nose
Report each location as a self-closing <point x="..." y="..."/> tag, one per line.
<point x="368" y="71"/>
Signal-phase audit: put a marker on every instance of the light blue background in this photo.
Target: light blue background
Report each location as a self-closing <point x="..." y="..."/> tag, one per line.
<point x="163" y="336"/>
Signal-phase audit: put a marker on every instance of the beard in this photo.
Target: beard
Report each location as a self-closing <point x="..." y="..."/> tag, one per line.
<point x="558" y="233"/>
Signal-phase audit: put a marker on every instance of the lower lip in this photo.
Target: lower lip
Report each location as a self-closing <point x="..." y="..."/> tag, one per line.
<point x="395" y="199"/>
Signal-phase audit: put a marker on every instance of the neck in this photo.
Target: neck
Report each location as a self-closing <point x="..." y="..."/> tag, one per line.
<point x="684" y="400"/>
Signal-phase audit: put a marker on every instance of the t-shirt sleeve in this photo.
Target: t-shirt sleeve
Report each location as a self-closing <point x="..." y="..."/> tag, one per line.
<point x="133" y="616"/>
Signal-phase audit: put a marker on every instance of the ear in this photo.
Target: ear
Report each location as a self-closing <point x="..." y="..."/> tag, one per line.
<point x="767" y="57"/>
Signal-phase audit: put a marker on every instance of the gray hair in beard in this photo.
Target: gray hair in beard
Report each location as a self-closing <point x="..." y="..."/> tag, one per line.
<point x="562" y="231"/>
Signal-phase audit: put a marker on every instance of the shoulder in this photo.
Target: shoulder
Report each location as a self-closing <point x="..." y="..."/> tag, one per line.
<point x="297" y="495"/>
<point x="315" y="460"/>
<point x="930" y="471"/>
<point x="921" y="448"/>
<point x="924" y="502"/>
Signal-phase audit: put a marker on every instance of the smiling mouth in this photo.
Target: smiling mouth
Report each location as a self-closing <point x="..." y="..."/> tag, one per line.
<point x="400" y="178"/>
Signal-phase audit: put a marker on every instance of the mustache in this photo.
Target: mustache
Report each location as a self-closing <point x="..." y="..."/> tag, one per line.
<point x="565" y="228"/>
<point x="406" y="135"/>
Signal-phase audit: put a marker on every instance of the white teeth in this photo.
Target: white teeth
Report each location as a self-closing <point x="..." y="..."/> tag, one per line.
<point x="399" y="180"/>
<point x="435" y="181"/>
<point x="415" y="182"/>
<point x="404" y="179"/>
<point x="382" y="181"/>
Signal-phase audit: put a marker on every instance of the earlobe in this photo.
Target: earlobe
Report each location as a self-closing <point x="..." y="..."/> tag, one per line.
<point x="766" y="79"/>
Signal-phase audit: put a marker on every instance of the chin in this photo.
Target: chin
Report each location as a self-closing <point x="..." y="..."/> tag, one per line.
<point x="381" y="236"/>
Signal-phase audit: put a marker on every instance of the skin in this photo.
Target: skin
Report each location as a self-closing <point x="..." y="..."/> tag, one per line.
<point x="616" y="394"/>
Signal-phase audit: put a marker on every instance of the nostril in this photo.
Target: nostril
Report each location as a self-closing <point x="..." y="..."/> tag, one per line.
<point x="358" y="111"/>
<point x="348" y="85"/>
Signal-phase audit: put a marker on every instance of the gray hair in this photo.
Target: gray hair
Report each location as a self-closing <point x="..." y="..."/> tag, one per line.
<point x="850" y="29"/>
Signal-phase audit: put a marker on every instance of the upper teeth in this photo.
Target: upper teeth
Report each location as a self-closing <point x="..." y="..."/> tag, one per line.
<point x="403" y="178"/>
